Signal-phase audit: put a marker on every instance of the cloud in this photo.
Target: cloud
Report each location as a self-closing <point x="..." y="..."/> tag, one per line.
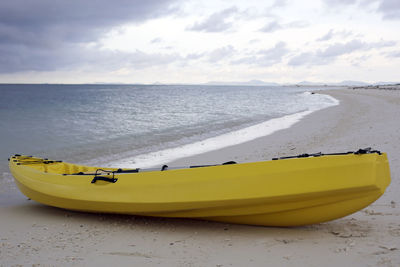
<point x="80" y="58"/>
<point x="156" y="40"/>
<point x="327" y="55"/>
<point x="142" y="60"/>
<point x="382" y="44"/>
<point x="296" y="24"/>
<point x="327" y="36"/>
<point x="48" y="34"/>
<point x="393" y="54"/>
<point x="271" y="27"/>
<point x="390" y="9"/>
<point x="339" y="49"/>
<point x="359" y="60"/>
<point x="303" y="59"/>
<point x="74" y="21"/>
<point x="194" y="56"/>
<point x="266" y="57"/>
<point x="339" y="2"/>
<point x="333" y="51"/>
<point x="221" y="53"/>
<point x="275" y="25"/>
<point x="280" y="3"/>
<point x="331" y="34"/>
<point x="216" y="22"/>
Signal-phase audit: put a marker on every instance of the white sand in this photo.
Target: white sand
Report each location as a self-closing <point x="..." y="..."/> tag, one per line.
<point x="31" y="233"/>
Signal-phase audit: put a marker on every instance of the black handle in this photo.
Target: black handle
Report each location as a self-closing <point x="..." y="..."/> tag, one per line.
<point x="102" y="178"/>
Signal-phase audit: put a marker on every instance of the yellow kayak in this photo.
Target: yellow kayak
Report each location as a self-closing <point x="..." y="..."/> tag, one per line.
<point x="291" y="191"/>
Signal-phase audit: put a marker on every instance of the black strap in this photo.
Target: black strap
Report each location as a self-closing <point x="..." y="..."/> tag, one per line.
<point x="111" y="172"/>
<point x="164" y="168"/>
<point x="200" y="166"/>
<point x="362" y="151"/>
<point x="102" y="178"/>
<point x="127" y="171"/>
<point x="107" y="179"/>
<point x="367" y="150"/>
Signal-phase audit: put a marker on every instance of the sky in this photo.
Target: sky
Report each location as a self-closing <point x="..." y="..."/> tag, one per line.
<point x="176" y="41"/>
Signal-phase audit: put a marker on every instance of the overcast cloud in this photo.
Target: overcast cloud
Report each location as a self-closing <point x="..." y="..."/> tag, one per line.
<point x="188" y="41"/>
<point x="390" y="9"/>
<point x="275" y="26"/>
<point x="43" y="21"/>
<point x="393" y="54"/>
<point x="331" y="34"/>
<point x="265" y="57"/>
<point x="332" y="52"/>
<point x="47" y="34"/>
<point x="216" y="22"/>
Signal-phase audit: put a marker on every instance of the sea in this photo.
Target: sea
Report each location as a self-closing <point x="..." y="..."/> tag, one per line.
<point x="143" y="125"/>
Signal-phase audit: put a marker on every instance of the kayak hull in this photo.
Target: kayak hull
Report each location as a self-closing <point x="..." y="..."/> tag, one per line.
<point x="289" y="192"/>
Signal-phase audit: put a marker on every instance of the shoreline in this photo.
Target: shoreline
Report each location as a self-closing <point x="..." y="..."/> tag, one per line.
<point x="309" y="135"/>
<point x="31" y="233"/>
<point x="278" y="143"/>
<point x="211" y="144"/>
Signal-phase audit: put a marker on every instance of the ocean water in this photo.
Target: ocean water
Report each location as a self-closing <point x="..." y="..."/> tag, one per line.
<point x="143" y="125"/>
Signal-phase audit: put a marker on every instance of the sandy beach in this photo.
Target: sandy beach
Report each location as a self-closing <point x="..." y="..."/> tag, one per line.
<point x="32" y="234"/>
